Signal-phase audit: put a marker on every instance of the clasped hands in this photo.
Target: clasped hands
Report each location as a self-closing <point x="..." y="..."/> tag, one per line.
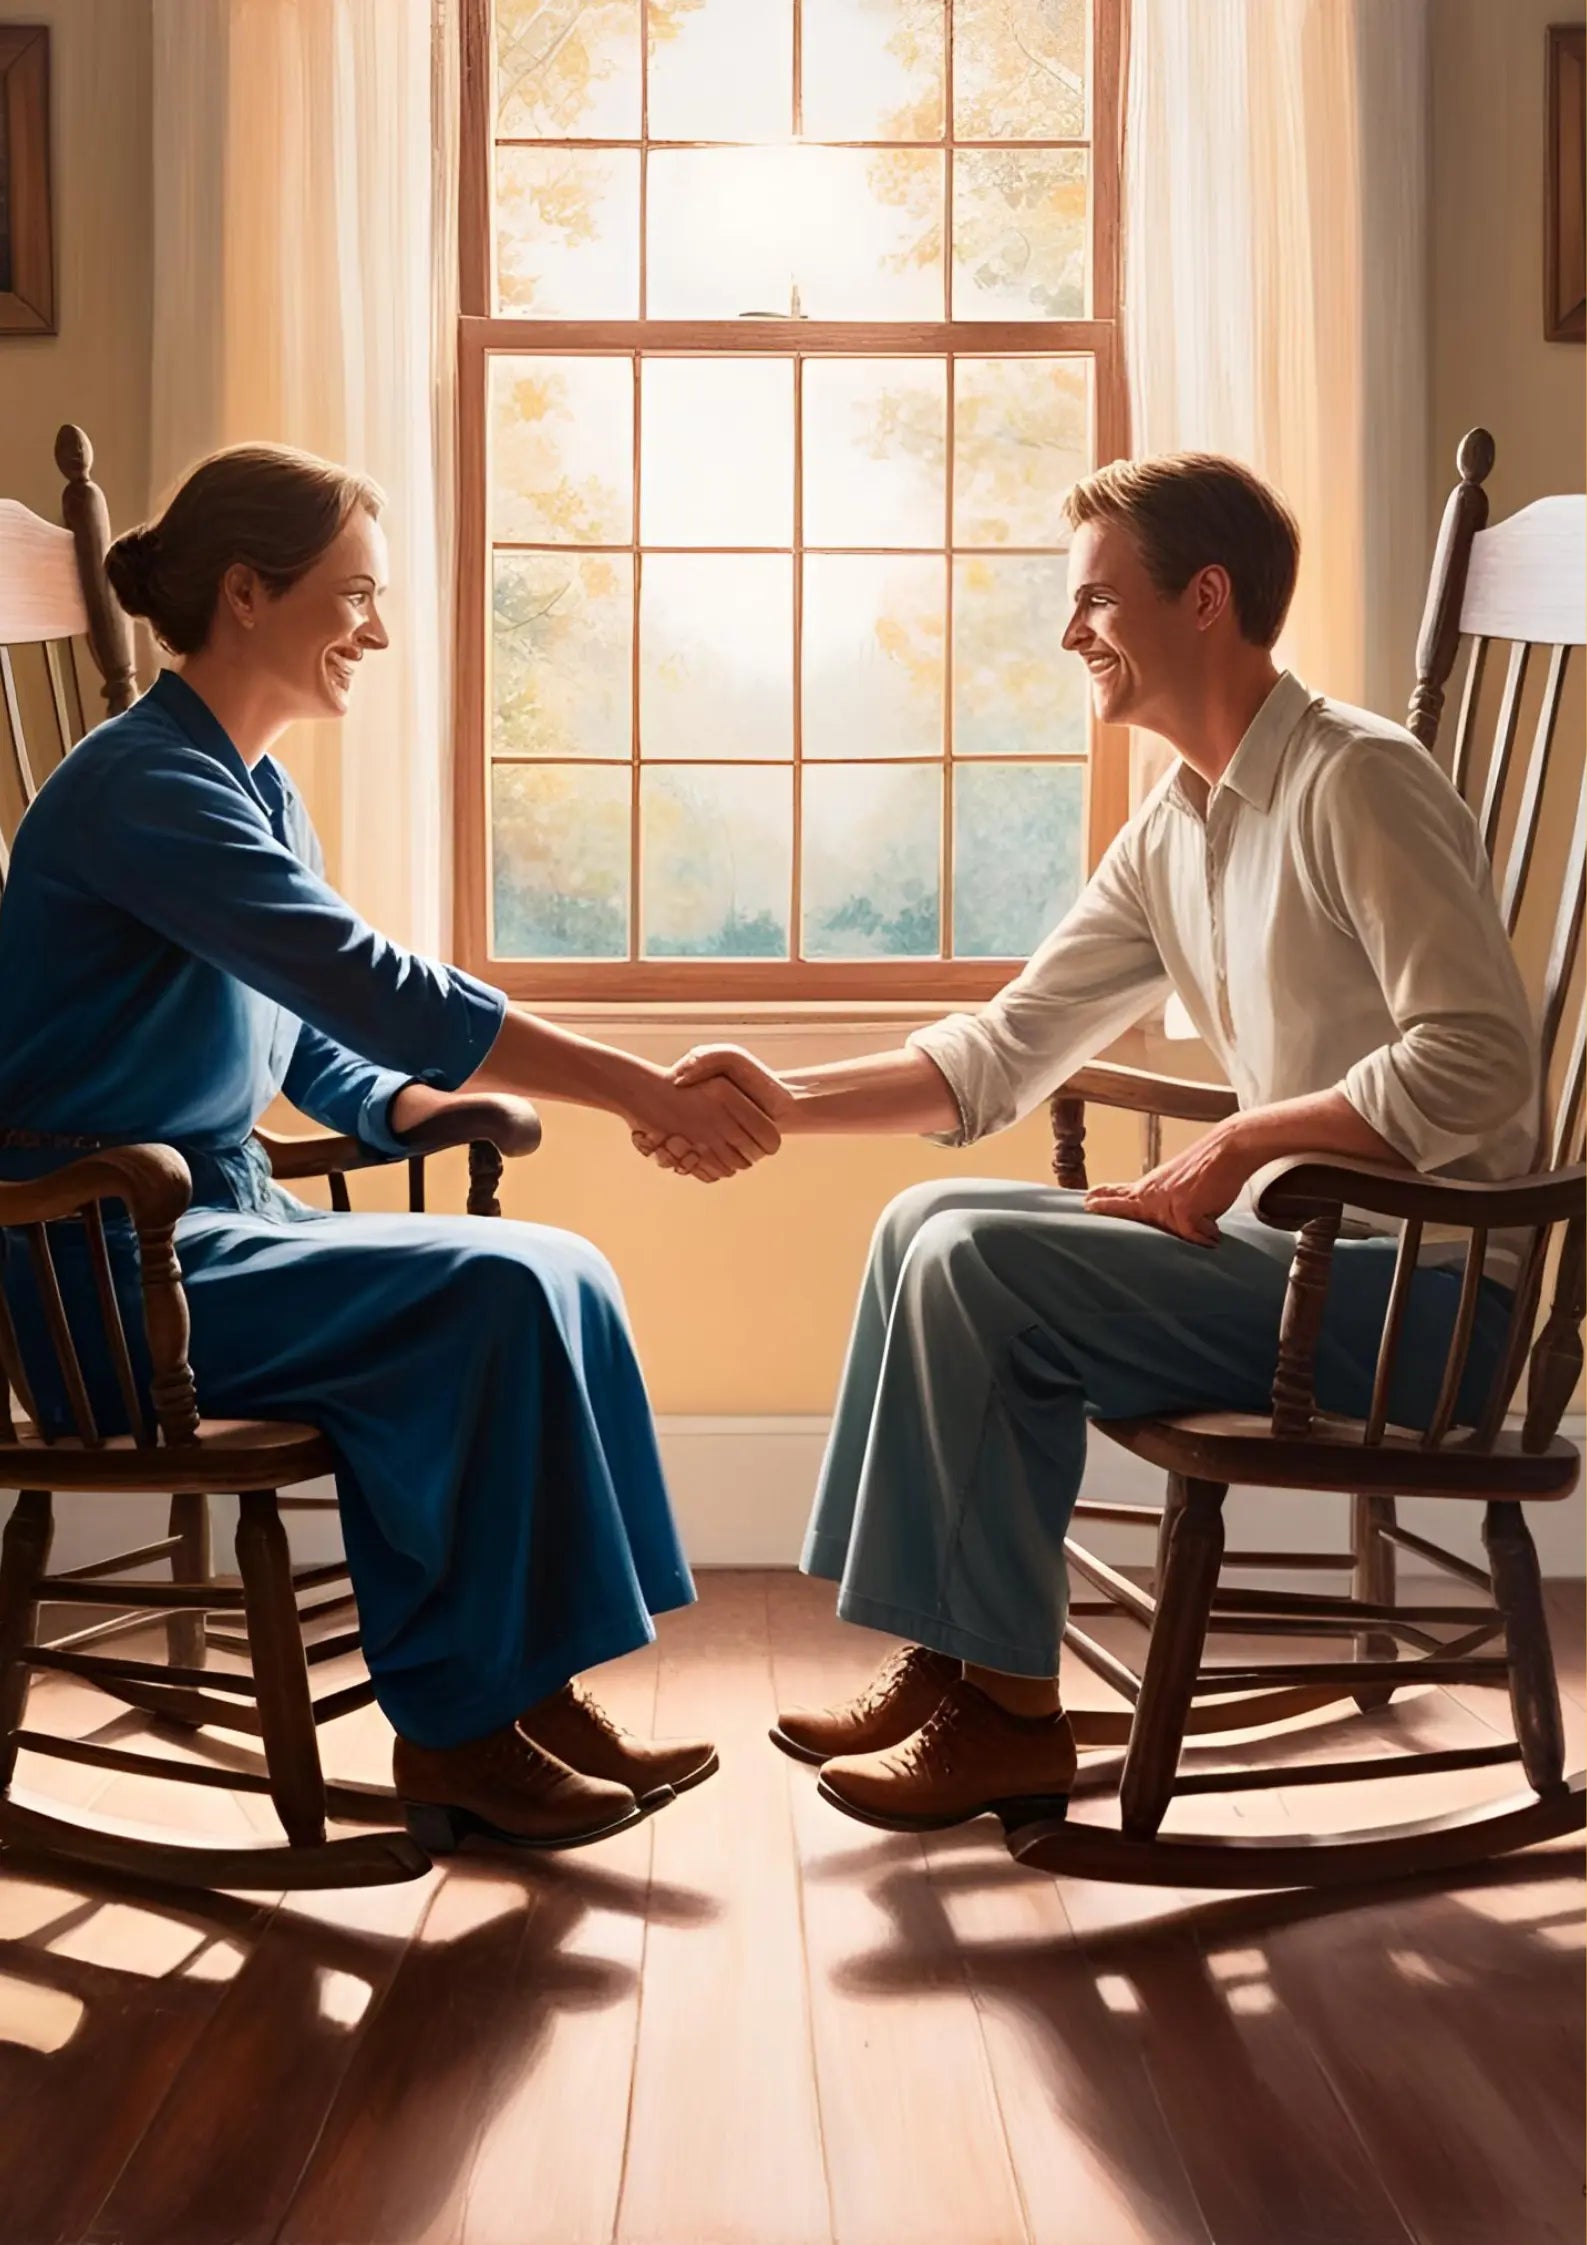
<point x="714" y="1113"/>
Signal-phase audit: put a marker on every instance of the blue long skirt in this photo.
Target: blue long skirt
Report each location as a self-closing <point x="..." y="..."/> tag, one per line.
<point x="506" y="1520"/>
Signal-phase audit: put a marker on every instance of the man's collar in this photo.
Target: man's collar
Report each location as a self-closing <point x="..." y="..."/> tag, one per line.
<point x="1252" y="771"/>
<point x="188" y="709"/>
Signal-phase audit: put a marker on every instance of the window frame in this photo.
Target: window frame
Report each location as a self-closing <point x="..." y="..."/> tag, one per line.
<point x="482" y="333"/>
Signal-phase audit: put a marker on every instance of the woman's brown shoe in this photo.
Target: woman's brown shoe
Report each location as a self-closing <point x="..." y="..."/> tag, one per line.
<point x="970" y="1758"/>
<point x="907" y="1688"/>
<point x="578" y="1730"/>
<point x="503" y="1788"/>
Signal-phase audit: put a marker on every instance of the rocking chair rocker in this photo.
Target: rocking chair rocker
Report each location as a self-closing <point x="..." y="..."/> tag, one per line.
<point x="1522" y="582"/>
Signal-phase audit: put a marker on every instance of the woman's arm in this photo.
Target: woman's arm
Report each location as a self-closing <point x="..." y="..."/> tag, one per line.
<point x="715" y="1119"/>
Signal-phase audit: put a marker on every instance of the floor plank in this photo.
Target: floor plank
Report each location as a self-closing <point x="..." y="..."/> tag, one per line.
<point x="725" y="2140"/>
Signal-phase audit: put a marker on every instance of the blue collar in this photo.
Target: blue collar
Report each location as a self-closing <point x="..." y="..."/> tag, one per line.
<point x="172" y="693"/>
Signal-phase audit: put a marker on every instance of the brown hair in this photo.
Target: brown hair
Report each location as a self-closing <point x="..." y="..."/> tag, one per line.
<point x="1188" y="509"/>
<point x="269" y="506"/>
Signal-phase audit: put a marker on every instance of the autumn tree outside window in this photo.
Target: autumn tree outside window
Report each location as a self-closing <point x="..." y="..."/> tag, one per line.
<point x="786" y="324"/>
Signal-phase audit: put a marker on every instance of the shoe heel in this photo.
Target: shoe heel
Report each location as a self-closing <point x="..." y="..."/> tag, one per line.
<point x="438" y="1830"/>
<point x="1030" y="1808"/>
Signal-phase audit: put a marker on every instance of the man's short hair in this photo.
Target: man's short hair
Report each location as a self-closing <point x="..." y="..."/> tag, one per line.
<point x="1186" y="510"/>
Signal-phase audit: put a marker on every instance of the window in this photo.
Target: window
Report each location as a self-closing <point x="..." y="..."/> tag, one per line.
<point x="786" y="324"/>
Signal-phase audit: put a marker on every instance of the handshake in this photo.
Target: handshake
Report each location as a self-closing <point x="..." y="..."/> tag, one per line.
<point x="716" y="1112"/>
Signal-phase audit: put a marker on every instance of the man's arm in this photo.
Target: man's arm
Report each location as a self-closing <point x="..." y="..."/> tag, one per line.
<point x="1189" y="1193"/>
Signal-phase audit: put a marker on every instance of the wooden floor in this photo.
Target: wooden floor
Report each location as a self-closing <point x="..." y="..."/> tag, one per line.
<point x="753" y="2023"/>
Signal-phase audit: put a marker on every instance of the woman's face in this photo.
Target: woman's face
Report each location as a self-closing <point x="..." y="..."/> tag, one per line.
<point x="312" y="637"/>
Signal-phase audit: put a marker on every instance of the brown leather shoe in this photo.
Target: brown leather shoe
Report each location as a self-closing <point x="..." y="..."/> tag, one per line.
<point x="504" y="1788"/>
<point x="969" y="1758"/>
<point x="577" y="1729"/>
<point x="906" y="1689"/>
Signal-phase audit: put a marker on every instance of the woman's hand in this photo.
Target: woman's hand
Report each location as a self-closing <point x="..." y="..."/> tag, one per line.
<point x="722" y="1072"/>
<point x="706" y="1123"/>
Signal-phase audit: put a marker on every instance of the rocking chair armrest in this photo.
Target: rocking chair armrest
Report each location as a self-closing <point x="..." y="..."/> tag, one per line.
<point x="1290" y="1192"/>
<point x="153" y="1181"/>
<point x="317" y="1153"/>
<point x="1140" y="1092"/>
<point x="510" y="1125"/>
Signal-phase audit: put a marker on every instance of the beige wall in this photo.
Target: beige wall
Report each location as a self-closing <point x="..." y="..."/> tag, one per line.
<point x="96" y="370"/>
<point x="1490" y="363"/>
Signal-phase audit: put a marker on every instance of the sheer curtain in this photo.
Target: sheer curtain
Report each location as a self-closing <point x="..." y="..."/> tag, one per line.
<point x="1276" y="296"/>
<point x="304" y="278"/>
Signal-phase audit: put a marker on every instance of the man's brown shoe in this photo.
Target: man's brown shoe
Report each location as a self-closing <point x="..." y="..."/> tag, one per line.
<point x="504" y="1788"/>
<point x="970" y="1758"/>
<point x="907" y="1688"/>
<point x="577" y="1729"/>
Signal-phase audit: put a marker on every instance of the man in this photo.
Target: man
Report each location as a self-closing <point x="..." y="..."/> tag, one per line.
<point x="1317" y="894"/>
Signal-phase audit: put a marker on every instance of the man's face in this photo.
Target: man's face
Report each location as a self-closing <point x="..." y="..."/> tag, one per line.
<point x="1139" y="645"/>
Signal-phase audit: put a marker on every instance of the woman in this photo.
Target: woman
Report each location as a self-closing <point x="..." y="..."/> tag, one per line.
<point x="171" y="956"/>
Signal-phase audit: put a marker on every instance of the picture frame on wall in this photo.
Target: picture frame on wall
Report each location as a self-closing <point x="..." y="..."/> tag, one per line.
<point x="1565" y="218"/>
<point x="27" y="248"/>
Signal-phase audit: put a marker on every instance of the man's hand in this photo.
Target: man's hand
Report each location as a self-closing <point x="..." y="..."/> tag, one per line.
<point x="705" y="1123"/>
<point x="1187" y="1195"/>
<point x="723" y="1073"/>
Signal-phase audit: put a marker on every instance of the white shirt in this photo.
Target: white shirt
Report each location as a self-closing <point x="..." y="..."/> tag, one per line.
<point x="1328" y="921"/>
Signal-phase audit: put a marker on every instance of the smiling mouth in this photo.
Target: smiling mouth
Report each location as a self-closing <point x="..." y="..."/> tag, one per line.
<point x="340" y="668"/>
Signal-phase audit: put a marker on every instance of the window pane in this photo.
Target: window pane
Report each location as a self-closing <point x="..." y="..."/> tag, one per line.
<point x="716" y="656"/>
<point x="567" y="232"/>
<point x="872" y="862"/>
<point x="1016" y="855"/>
<point x="1019" y="69"/>
<point x="1015" y="691"/>
<point x="562" y="451"/>
<point x="872" y="69"/>
<point x="857" y="232"/>
<point x="875" y="439"/>
<point x="721" y="69"/>
<point x="1019" y="234"/>
<point x="561" y="654"/>
<point x="874" y="626"/>
<point x="560" y="851"/>
<point x="718" y="860"/>
<point x="568" y="67"/>
<point x="1021" y="437"/>
<point x="717" y="452"/>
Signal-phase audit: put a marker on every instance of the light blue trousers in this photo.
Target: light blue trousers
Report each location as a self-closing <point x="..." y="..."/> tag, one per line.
<point x="993" y="1322"/>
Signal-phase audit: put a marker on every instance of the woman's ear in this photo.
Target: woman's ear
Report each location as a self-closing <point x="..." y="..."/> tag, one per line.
<point x="241" y="591"/>
<point x="1213" y="592"/>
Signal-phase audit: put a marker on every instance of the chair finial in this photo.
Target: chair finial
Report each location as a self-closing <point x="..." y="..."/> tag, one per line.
<point x="74" y="455"/>
<point x="1474" y="456"/>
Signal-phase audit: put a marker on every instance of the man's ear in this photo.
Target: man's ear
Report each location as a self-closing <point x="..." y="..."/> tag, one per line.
<point x="1212" y="593"/>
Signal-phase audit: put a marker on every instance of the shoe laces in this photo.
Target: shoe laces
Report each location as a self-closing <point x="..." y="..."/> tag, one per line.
<point x="922" y="1751"/>
<point x="594" y="1713"/>
<point x="888" y="1677"/>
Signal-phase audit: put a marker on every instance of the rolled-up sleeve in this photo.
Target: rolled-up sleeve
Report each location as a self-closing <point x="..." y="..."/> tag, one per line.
<point x="176" y="843"/>
<point x="1097" y="972"/>
<point x="335" y="1087"/>
<point x="1401" y="865"/>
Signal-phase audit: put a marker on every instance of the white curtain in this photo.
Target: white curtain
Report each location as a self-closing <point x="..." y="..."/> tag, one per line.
<point x="1276" y="296"/>
<point x="304" y="282"/>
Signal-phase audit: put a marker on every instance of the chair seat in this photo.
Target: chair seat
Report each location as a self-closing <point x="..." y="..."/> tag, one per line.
<point x="224" y="1457"/>
<point x="1240" y="1447"/>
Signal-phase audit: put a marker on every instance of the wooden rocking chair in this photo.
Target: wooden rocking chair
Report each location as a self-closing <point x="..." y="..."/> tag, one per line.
<point x="1523" y="582"/>
<point x="286" y="1620"/>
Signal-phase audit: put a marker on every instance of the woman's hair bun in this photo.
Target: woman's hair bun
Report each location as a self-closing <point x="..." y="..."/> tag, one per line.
<point x="132" y="564"/>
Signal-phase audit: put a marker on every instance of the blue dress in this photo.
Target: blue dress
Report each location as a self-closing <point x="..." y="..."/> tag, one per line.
<point x="171" y="957"/>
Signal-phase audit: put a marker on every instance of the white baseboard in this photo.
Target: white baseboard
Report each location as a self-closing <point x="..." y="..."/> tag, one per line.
<point x="742" y="1489"/>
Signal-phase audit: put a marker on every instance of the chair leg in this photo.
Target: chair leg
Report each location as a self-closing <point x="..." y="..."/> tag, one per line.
<point x="1173" y="1506"/>
<point x="281" y="1673"/>
<point x="190" y="1562"/>
<point x="1534" y="1692"/>
<point x="24" y="1556"/>
<point x="1184" y="1602"/>
<point x="1373" y="1580"/>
